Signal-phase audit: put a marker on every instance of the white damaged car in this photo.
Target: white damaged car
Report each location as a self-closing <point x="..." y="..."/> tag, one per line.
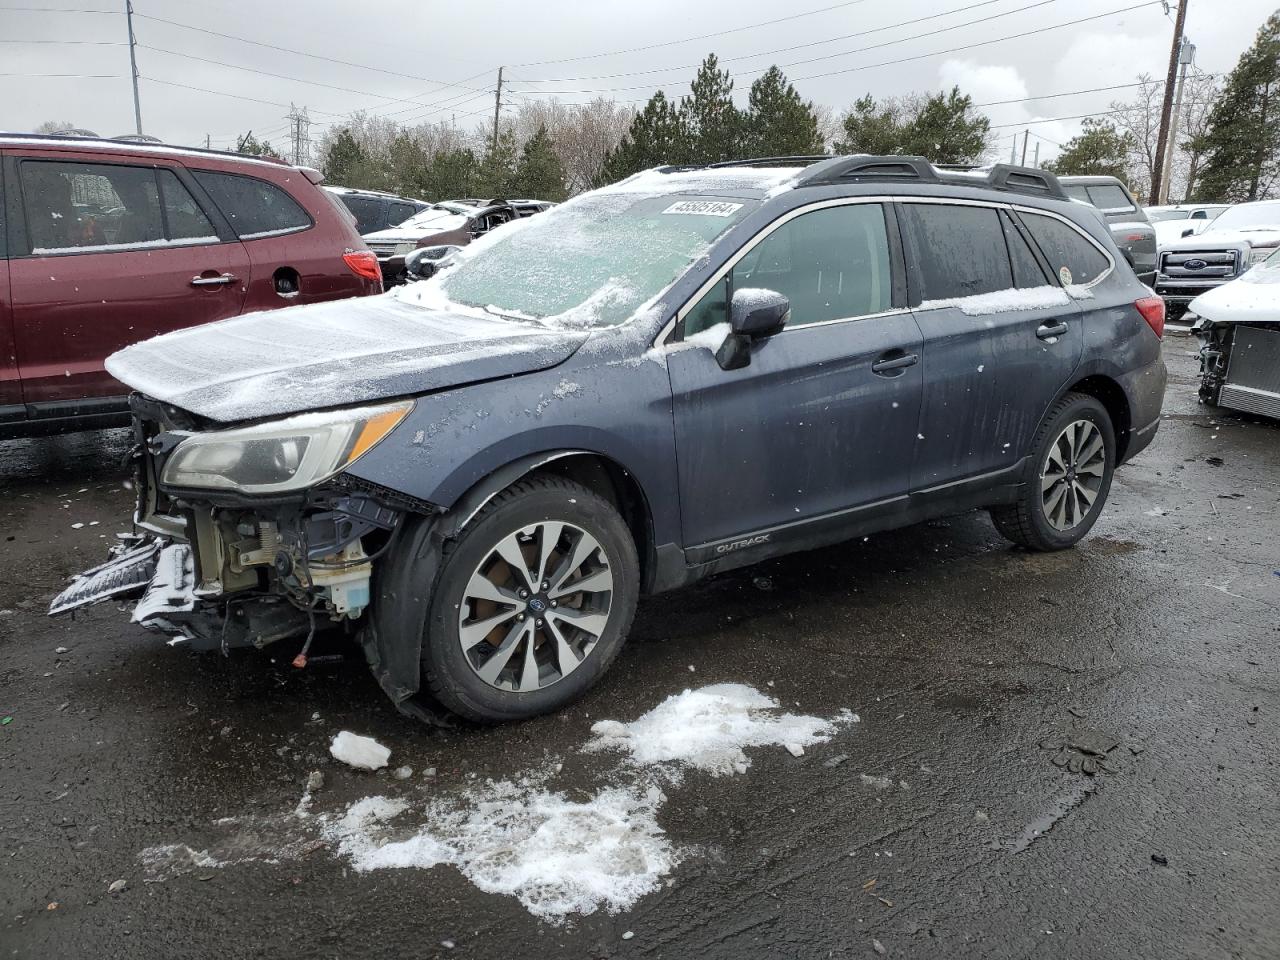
<point x="1238" y="325"/>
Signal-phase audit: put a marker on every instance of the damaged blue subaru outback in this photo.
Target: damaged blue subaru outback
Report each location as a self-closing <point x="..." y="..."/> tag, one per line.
<point x="478" y="474"/>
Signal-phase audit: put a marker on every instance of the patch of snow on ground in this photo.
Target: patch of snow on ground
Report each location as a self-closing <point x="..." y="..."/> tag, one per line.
<point x="1003" y="301"/>
<point x="555" y="855"/>
<point x="363" y="753"/>
<point x="707" y="729"/>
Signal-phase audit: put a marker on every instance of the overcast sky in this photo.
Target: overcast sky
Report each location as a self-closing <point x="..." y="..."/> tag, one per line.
<point x="438" y="61"/>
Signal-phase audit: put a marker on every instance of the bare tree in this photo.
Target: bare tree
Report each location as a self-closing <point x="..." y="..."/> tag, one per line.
<point x="1140" y="119"/>
<point x="1198" y="97"/>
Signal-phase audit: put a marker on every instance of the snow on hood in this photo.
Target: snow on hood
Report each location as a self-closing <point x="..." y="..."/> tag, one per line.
<point x="1263" y="236"/>
<point x="422" y="225"/>
<point x="1253" y="298"/>
<point x="332" y="354"/>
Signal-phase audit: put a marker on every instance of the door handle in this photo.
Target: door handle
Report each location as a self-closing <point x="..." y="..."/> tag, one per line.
<point x="1047" y="330"/>
<point x="894" y="360"/>
<point x="212" y="281"/>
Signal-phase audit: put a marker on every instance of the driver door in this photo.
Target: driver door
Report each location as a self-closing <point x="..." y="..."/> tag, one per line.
<point x="823" y="418"/>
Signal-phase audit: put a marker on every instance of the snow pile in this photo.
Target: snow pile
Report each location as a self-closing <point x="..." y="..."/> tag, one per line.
<point x="1003" y="301"/>
<point x="555" y="855"/>
<point x="707" y="729"/>
<point x="363" y="753"/>
<point x="709" y="339"/>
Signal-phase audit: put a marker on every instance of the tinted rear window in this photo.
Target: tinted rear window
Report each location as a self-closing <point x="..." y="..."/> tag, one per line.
<point x="1073" y="258"/>
<point x="1110" y="196"/>
<point x="961" y="250"/>
<point x="255" y="207"/>
<point x="366" y="211"/>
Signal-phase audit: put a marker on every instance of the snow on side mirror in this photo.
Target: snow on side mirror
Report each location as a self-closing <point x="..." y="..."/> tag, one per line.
<point x="754" y="314"/>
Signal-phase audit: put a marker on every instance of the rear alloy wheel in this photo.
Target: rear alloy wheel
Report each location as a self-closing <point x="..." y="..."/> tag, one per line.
<point x="533" y="601"/>
<point x="1073" y="460"/>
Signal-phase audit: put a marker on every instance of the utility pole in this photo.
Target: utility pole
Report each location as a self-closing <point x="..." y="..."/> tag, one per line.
<point x="1036" y="162"/>
<point x="1186" y="56"/>
<point x="1166" y="108"/>
<point x="1026" y="135"/>
<point x="299" y="135"/>
<point x="133" y="65"/>
<point x="1013" y="150"/>
<point x="208" y="142"/>
<point x="497" y="108"/>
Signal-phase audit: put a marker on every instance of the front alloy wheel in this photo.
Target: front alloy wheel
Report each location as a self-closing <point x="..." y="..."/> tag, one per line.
<point x="536" y="606"/>
<point x="532" y="602"/>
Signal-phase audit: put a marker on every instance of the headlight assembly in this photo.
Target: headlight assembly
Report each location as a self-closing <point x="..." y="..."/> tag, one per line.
<point x="281" y="456"/>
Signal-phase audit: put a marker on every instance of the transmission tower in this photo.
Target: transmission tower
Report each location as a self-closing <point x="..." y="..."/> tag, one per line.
<point x="300" y="136"/>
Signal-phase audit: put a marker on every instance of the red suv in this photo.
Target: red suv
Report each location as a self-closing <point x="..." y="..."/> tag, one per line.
<point x="104" y="243"/>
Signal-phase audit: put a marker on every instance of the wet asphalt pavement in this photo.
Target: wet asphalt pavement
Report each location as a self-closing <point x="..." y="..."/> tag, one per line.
<point x="976" y="670"/>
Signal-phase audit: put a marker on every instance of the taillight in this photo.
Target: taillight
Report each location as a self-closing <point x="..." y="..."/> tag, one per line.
<point x="363" y="263"/>
<point x="1152" y="310"/>
<point x="1133" y="237"/>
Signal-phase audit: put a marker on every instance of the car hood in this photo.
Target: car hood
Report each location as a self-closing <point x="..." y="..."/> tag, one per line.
<point x="1226" y="239"/>
<point x="414" y="229"/>
<point x="1254" y="298"/>
<point x="344" y="352"/>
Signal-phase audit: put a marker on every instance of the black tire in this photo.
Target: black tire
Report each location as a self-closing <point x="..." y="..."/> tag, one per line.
<point x="1025" y="522"/>
<point x="446" y="670"/>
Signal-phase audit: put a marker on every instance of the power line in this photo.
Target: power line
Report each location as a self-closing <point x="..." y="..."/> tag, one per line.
<point x="114" y="13"/>
<point x="85" y="43"/>
<point x="705" y="36"/>
<point x="883" y="63"/>
<point x="77" y="76"/>
<point x="1068" y="93"/>
<point x="302" y="53"/>
<point x="816" y="43"/>
<point x="1079" y="116"/>
<point x="223" y="93"/>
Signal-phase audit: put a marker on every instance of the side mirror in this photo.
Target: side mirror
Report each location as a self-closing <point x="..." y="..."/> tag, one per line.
<point x="425" y="262"/>
<point x="757" y="313"/>
<point x="1189" y="232"/>
<point x="754" y="314"/>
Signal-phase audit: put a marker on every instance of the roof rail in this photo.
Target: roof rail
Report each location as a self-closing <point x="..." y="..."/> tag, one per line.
<point x="125" y="142"/>
<point x="1001" y="176"/>
<point x="791" y="161"/>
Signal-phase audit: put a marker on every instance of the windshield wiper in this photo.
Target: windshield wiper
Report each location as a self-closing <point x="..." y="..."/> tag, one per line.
<point x="521" y="317"/>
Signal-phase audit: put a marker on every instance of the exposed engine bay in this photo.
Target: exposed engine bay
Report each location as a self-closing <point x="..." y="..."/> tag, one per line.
<point x="218" y="570"/>
<point x="1240" y="365"/>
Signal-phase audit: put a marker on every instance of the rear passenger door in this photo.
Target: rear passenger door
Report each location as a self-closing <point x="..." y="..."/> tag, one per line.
<point x="1000" y="339"/>
<point x="109" y="254"/>
<point x="11" y="408"/>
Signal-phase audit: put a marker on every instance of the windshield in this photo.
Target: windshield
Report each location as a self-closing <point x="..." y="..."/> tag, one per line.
<point x="593" y="261"/>
<point x="1155" y="216"/>
<point x="1249" y="216"/>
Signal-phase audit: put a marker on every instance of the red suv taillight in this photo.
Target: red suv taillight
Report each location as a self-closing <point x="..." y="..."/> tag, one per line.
<point x="1152" y="310"/>
<point x="363" y="263"/>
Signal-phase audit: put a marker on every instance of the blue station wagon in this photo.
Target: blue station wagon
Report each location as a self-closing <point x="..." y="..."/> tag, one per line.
<point x="692" y="370"/>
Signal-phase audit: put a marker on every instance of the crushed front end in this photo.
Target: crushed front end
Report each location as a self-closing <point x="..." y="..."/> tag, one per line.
<point x="249" y="535"/>
<point x="1240" y="365"/>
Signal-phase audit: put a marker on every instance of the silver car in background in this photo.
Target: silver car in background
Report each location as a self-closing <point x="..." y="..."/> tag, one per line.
<point x="1129" y="226"/>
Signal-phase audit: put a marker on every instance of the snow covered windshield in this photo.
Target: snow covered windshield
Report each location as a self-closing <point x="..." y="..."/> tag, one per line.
<point x="593" y="261"/>
<point x="1249" y="216"/>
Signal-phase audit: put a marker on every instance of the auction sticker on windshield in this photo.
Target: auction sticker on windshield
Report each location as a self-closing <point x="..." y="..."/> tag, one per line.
<point x="705" y="208"/>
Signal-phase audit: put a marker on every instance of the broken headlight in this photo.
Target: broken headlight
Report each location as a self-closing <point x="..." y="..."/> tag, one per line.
<point x="281" y="456"/>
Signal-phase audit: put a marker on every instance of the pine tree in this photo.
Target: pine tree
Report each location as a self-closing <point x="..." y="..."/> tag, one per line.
<point x="657" y="136"/>
<point x="1100" y="149"/>
<point x="539" y="173"/>
<point x="451" y="174"/>
<point x="408" y="163"/>
<point x="778" y="123"/>
<point x="497" y="166"/>
<point x="872" y="128"/>
<point x="714" y="124"/>
<point x="346" y="162"/>
<point x="944" y="131"/>
<point x="1242" y="141"/>
<point x="252" y="147"/>
<point x="940" y="127"/>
